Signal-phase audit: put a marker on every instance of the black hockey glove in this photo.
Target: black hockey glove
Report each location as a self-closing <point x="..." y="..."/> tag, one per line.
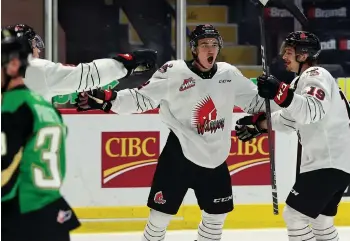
<point x="138" y="61"/>
<point x="271" y="88"/>
<point x="96" y="99"/>
<point x="247" y="128"/>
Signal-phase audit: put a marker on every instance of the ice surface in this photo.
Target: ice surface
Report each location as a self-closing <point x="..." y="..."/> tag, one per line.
<point x="190" y="235"/>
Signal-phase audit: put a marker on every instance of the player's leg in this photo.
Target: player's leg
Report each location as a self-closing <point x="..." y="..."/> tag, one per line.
<point x="214" y="194"/>
<point x="311" y="193"/>
<point x="169" y="187"/>
<point x="11" y="220"/>
<point x="323" y="226"/>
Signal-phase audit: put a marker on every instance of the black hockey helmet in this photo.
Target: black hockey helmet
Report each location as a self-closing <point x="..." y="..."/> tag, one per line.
<point x="28" y="33"/>
<point x="204" y="31"/>
<point x="304" y="43"/>
<point x="13" y="47"/>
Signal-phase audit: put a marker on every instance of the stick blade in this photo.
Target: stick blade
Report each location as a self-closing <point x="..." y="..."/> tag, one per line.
<point x="264" y="2"/>
<point x="295" y="11"/>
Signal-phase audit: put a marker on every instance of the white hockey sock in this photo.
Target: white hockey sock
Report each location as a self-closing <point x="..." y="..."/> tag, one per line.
<point x="323" y="227"/>
<point x="156" y="226"/>
<point x="329" y="234"/>
<point x="297" y="225"/>
<point x="301" y="234"/>
<point x="210" y="228"/>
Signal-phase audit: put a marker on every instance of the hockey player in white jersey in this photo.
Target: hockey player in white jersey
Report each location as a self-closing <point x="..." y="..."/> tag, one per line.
<point x="50" y="79"/>
<point x="314" y="107"/>
<point x="196" y="100"/>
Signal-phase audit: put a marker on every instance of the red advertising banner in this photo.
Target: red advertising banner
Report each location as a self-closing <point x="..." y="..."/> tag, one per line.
<point x="129" y="159"/>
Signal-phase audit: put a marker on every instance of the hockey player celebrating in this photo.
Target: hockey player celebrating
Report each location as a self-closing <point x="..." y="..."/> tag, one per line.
<point x="313" y="106"/>
<point x="32" y="155"/>
<point x="196" y="99"/>
<point x="50" y="79"/>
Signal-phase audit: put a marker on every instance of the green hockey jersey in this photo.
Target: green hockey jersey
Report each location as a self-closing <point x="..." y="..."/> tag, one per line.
<point x="32" y="149"/>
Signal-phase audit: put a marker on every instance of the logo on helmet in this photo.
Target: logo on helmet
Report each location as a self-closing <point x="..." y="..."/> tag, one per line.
<point x="303" y="35"/>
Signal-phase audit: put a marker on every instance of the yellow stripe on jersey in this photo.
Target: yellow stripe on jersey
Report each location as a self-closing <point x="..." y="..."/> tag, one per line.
<point x="7" y="173"/>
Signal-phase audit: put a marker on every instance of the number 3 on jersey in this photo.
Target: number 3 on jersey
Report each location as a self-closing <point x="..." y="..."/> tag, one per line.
<point x="50" y="155"/>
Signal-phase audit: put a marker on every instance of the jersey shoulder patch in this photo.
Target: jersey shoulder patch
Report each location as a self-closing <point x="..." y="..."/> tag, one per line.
<point x="312" y="72"/>
<point x="315" y="71"/>
<point x="168" y="65"/>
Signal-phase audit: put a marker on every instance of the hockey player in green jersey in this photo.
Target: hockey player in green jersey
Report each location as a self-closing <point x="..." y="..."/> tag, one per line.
<point x="32" y="155"/>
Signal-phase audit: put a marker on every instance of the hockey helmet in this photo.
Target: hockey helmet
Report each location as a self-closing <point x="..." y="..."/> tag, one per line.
<point x="204" y="31"/>
<point x="13" y="47"/>
<point x="304" y="43"/>
<point x="28" y="33"/>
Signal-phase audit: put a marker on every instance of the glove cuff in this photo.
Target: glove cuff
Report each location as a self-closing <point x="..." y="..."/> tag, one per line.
<point x="128" y="60"/>
<point x="256" y="118"/>
<point x="106" y="106"/>
<point x="110" y="95"/>
<point x="284" y="95"/>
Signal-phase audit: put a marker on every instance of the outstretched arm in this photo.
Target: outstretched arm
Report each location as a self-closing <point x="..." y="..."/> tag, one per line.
<point x="50" y="79"/>
<point x="127" y="101"/>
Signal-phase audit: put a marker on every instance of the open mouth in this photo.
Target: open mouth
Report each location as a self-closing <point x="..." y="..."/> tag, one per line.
<point x="210" y="59"/>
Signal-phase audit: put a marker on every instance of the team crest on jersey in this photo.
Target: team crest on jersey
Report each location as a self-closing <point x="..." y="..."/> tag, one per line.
<point x="188" y="83"/>
<point x="205" y="117"/>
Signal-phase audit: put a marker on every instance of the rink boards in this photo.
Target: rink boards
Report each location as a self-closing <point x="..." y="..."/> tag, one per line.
<point x="111" y="160"/>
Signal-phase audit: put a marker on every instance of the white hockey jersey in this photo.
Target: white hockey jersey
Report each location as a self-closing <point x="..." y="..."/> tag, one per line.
<point x="50" y="79"/>
<point x="320" y="115"/>
<point x="198" y="111"/>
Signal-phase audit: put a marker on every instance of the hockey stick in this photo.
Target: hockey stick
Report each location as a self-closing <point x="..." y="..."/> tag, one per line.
<point x="266" y="71"/>
<point x="295" y="11"/>
<point x="298" y="14"/>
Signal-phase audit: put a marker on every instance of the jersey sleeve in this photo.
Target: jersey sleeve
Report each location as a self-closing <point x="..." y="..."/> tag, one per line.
<point x="16" y="127"/>
<point x="43" y="76"/>
<point x="145" y="97"/>
<point x="282" y="121"/>
<point x="246" y="94"/>
<point x="315" y="99"/>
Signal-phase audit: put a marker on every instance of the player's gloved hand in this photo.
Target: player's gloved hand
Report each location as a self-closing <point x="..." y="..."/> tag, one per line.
<point x="138" y="61"/>
<point x="248" y="128"/>
<point x="96" y="99"/>
<point x="271" y="88"/>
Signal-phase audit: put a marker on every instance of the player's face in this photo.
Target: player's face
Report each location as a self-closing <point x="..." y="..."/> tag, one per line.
<point x="13" y="67"/>
<point x="207" y="51"/>
<point x="290" y="59"/>
<point x="10" y="69"/>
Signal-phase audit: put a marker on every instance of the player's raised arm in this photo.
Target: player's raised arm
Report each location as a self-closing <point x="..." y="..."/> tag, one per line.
<point x="127" y="101"/>
<point x="50" y="79"/>
<point x="312" y="104"/>
<point x="44" y="76"/>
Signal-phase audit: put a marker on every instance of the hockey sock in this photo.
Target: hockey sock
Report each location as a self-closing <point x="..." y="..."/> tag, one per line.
<point x="297" y="225"/>
<point x="156" y="226"/>
<point x="210" y="228"/>
<point x="323" y="228"/>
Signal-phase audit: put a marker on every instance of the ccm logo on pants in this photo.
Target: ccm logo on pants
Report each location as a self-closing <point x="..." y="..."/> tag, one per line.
<point x="224" y="199"/>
